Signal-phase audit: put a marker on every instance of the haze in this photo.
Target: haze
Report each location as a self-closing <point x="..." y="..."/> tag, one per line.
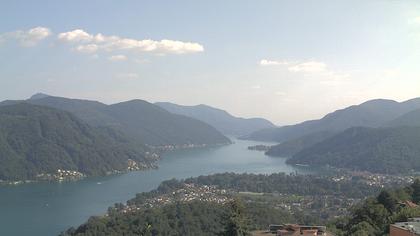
<point x="271" y="59"/>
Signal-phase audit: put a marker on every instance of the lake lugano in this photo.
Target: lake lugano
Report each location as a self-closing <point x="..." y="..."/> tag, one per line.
<point x="43" y="209"/>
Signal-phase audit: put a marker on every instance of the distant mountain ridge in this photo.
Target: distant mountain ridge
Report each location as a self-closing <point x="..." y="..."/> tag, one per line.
<point x="220" y="119"/>
<point x="37" y="140"/>
<point x="140" y="120"/>
<point x="373" y="113"/>
<point x="391" y="150"/>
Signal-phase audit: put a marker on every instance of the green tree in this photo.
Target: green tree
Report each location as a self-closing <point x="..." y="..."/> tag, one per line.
<point x="416" y="191"/>
<point x="389" y="201"/>
<point x="237" y="224"/>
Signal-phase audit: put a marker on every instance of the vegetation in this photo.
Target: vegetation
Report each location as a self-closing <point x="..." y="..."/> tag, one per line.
<point x="284" y="183"/>
<point x="220" y="119"/>
<point x="410" y="119"/>
<point x="384" y="150"/>
<point x="244" y="212"/>
<point x="374" y="113"/>
<point x="373" y="216"/>
<point x="142" y="121"/>
<point x="291" y="147"/>
<point x="36" y="140"/>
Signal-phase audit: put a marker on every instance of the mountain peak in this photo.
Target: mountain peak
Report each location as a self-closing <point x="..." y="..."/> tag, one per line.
<point x="39" y="96"/>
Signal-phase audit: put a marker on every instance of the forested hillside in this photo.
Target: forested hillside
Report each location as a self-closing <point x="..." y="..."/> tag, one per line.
<point x="220" y="119"/>
<point x="36" y="140"/>
<point x="293" y="146"/>
<point x="373" y="216"/>
<point x="373" y="113"/>
<point x="143" y="122"/>
<point x="385" y="150"/>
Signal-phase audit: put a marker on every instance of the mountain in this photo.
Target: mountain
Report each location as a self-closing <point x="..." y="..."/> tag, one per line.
<point x="384" y="150"/>
<point x="291" y="147"/>
<point x="37" y="140"/>
<point x="140" y="120"/>
<point x="373" y="113"/>
<point x="409" y="119"/>
<point x="220" y="119"/>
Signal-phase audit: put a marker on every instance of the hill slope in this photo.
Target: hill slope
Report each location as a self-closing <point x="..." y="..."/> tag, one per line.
<point x="374" y="113"/>
<point x="384" y="150"/>
<point x="39" y="140"/>
<point x="291" y="147"/>
<point x="142" y="121"/>
<point x="220" y="119"/>
<point x="409" y="119"/>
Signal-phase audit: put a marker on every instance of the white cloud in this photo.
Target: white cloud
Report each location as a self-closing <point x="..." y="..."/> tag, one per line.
<point x="88" y="48"/>
<point x="265" y="62"/>
<point x="27" y="38"/>
<point x="127" y="76"/>
<point x="116" y="43"/>
<point x="74" y="36"/>
<point x="308" y="67"/>
<point x="117" y="58"/>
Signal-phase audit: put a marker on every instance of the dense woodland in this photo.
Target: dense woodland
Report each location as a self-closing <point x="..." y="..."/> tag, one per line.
<point x="373" y="113"/>
<point x="140" y="120"/>
<point x="204" y="218"/>
<point x="36" y="140"/>
<point x="392" y="150"/>
<point x="373" y="216"/>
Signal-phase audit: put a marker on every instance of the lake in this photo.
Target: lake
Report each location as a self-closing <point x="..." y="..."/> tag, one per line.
<point x="43" y="209"/>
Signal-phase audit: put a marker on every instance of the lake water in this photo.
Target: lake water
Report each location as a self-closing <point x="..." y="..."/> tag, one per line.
<point x="43" y="209"/>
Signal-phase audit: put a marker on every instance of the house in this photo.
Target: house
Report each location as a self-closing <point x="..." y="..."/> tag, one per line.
<point x="297" y="230"/>
<point x="409" y="228"/>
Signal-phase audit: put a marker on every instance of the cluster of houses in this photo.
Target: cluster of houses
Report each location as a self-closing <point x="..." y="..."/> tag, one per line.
<point x="371" y="179"/>
<point x="297" y="230"/>
<point x="62" y="175"/>
<point x="187" y="193"/>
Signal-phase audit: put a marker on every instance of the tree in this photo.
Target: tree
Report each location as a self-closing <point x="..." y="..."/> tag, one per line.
<point x="416" y="191"/>
<point x="389" y="201"/>
<point x="237" y="224"/>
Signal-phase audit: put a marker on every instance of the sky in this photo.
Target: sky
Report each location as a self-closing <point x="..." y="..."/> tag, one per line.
<point x="287" y="61"/>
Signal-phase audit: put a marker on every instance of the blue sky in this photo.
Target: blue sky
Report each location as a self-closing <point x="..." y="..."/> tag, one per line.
<point x="287" y="61"/>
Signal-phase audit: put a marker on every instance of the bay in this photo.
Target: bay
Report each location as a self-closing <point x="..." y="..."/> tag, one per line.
<point x="43" y="209"/>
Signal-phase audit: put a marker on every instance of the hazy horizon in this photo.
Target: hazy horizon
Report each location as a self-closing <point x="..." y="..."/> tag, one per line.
<point x="280" y="60"/>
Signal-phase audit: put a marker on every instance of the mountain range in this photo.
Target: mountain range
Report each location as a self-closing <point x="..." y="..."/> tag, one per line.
<point x="220" y="119"/>
<point x="139" y="120"/>
<point x="373" y="113"/>
<point x="392" y="150"/>
<point x="37" y="140"/>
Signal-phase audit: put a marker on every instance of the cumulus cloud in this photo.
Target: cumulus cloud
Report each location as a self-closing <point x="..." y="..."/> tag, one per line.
<point x="308" y="68"/>
<point x="88" y="48"/>
<point x="77" y="35"/>
<point x="117" y="58"/>
<point x="265" y="62"/>
<point x="27" y="38"/>
<point x="116" y="43"/>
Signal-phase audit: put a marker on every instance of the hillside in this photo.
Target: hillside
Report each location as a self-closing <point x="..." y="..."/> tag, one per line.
<point x="38" y="140"/>
<point x="291" y="147"/>
<point x="374" y="215"/>
<point x="204" y="205"/>
<point x="385" y="150"/>
<point x="373" y="113"/>
<point x="409" y="119"/>
<point x="140" y="120"/>
<point x="220" y="119"/>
